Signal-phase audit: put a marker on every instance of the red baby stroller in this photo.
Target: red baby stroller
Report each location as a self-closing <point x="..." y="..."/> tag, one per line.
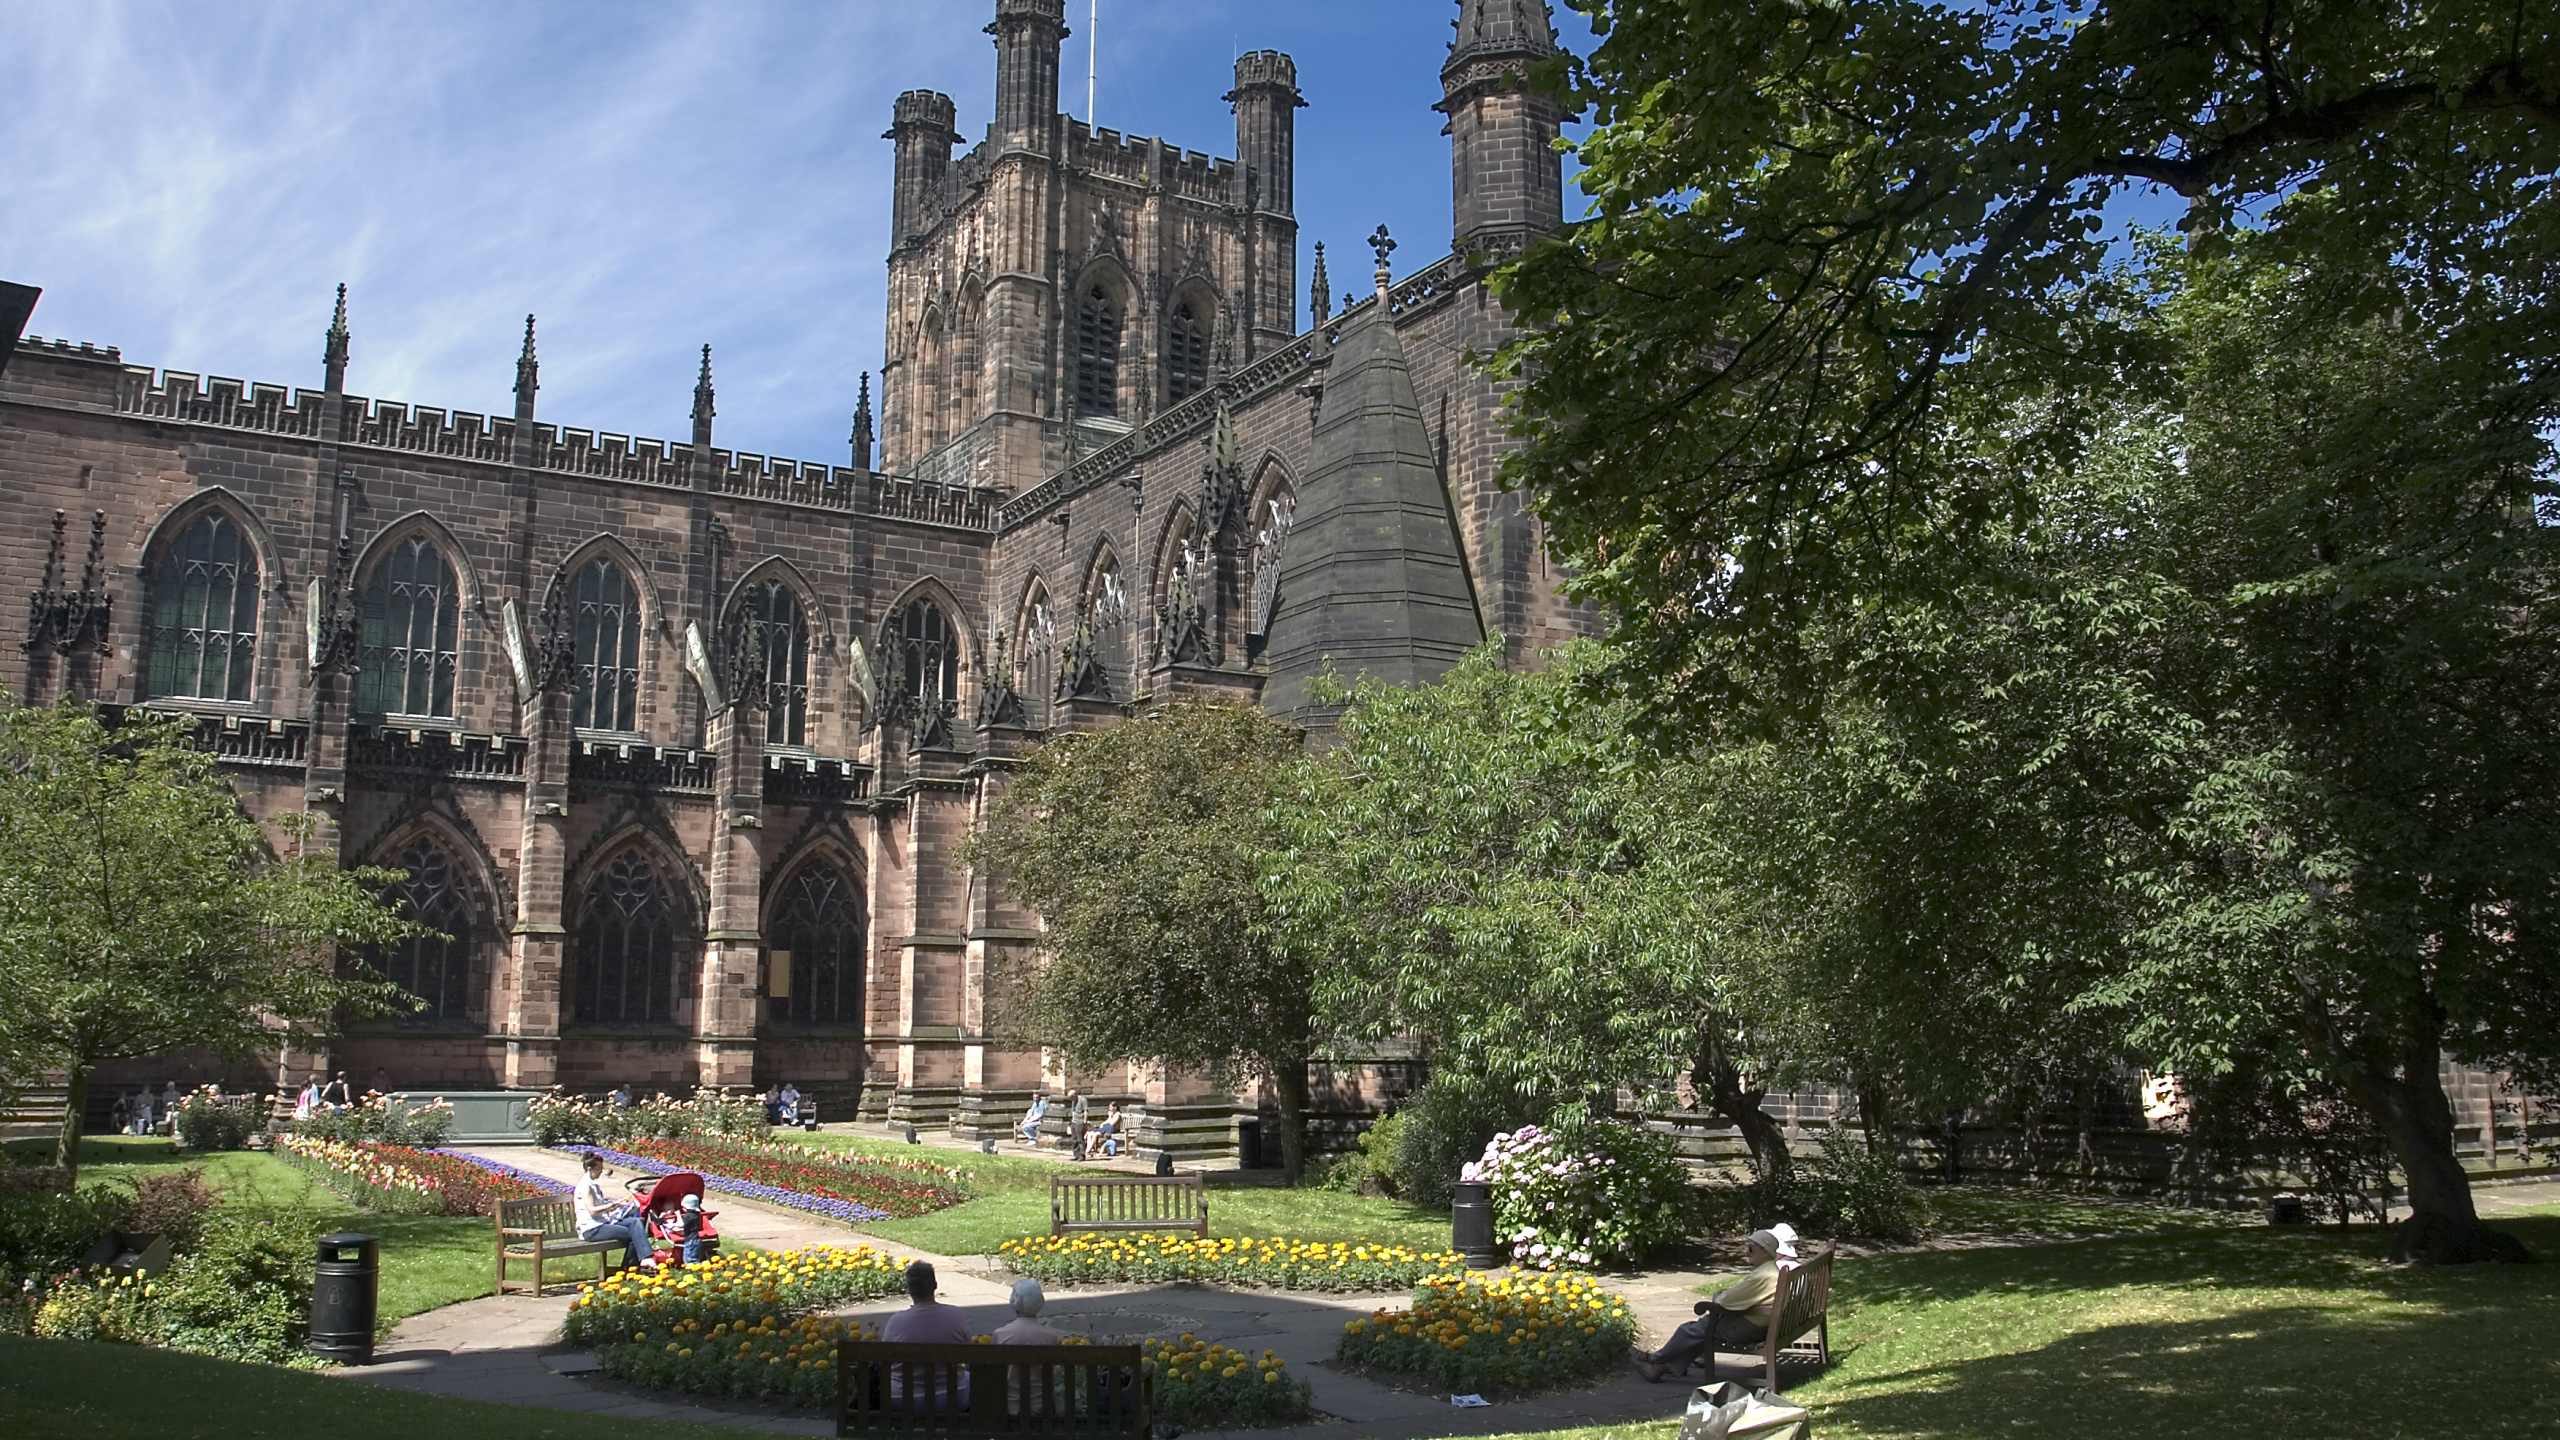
<point x="662" y="1202"/>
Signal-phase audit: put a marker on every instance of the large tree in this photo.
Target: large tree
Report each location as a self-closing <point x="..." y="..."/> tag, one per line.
<point x="1841" y="295"/>
<point x="141" y="913"/>
<point x="1141" y="847"/>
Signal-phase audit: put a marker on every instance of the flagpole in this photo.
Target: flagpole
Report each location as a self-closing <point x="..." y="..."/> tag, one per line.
<point x="1092" y="38"/>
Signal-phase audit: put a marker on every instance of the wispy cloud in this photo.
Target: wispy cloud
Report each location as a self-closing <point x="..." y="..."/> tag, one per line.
<point x="191" y="181"/>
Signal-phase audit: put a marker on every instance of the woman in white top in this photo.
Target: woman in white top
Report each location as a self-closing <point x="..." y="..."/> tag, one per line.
<point x="601" y="1217"/>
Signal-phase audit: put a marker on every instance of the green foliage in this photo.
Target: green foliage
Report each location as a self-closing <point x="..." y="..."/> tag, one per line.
<point x="1843" y="293"/>
<point x="1444" y="1127"/>
<point x="245" y="1294"/>
<point x="211" y="1120"/>
<point x="1141" y="848"/>
<point x="1850" y="1190"/>
<point x="1369" y="1167"/>
<point x="381" y="1120"/>
<point x="119" y="1310"/>
<point x="44" y="1232"/>
<point x="141" y="913"/>
<point x="558" y="1119"/>
<point x="1595" y="1194"/>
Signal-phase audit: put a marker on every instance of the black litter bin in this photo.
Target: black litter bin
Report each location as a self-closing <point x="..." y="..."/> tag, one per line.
<point x="1248" y="1144"/>
<point x="1471" y="1225"/>
<point x="345" y="1296"/>
<point x="808" y="1113"/>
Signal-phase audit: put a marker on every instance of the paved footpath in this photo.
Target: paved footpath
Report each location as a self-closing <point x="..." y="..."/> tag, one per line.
<point x="509" y="1351"/>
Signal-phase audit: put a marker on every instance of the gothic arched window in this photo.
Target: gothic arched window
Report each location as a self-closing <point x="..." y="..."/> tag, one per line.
<point x="818" y="919"/>
<point x="630" y="938"/>
<point x="1097" y="354"/>
<point x="933" y="664"/>
<point x="1186" y="352"/>
<point x="435" y="968"/>
<point x="782" y="634"/>
<point x="608" y="637"/>
<point x="204" y="614"/>
<point x="412" y="616"/>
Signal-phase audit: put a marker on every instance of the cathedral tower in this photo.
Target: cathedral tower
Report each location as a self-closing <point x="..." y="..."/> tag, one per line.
<point x="923" y="126"/>
<point x="1508" y="180"/>
<point x="1028" y="34"/>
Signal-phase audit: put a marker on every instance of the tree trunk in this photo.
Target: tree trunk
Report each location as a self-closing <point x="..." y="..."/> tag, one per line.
<point x="2444" y="1226"/>
<point x="1289" y="1078"/>
<point x="66" y="1143"/>
<point x="1721" y="1081"/>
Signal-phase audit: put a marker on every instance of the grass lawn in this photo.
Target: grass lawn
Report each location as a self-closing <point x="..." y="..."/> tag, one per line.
<point x="428" y="1261"/>
<point x="65" y="1390"/>
<point x="1015" y="1203"/>
<point x="2252" y="1331"/>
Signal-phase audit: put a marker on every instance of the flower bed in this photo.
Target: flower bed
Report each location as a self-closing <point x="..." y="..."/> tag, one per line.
<point x="402" y="1181"/>
<point x="1277" y="1263"/>
<point x="737" y="1324"/>
<point x="851" y="1190"/>
<point x="1203" y="1386"/>
<point x="1470" y="1335"/>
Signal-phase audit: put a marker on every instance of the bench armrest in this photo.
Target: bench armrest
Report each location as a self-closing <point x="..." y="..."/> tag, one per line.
<point x="526" y="1234"/>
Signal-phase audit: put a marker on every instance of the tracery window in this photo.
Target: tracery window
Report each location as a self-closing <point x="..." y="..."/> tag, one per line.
<point x="625" y="951"/>
<point x="782" y="633"/>
<point x="818" y="920"/>
<point x="1186" y="353"/>
<point x="608" y="641"/>
<point x="933" y="668"/>
<point x="435" y="968"/>
<point x="204" y="614"/>
<point x="1097" y="354"/>
<point x="412" y="618"/>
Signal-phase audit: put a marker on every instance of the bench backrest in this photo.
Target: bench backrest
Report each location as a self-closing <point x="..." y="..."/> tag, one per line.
<point x="557" y="1219"/>
<point x="1121" y="1201"/>
<point x="1804" y="1295"/>
<point x="1098" y="1390"/>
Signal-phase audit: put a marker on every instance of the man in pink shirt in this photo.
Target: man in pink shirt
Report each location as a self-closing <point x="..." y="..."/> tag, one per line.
<point x="927" y="1321"/>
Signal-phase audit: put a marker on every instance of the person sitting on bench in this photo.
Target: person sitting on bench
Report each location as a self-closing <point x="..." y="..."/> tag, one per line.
<point x="1105" y="1139"/>
<point x="1029" y="1128"/>
<point x="601" y="1217"/>
<point x="1736" y="1321"/>
<point x="927" y="1321"/>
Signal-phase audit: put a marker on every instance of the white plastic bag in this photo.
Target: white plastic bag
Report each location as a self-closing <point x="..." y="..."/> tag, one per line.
<point x="1726" y="1411"/>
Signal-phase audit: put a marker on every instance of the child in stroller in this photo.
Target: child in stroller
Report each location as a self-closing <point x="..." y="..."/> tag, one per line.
<point x="677" y="1221"/>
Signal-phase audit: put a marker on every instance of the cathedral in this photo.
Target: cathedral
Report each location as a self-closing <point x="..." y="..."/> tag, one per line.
<point x="676" y="742"/>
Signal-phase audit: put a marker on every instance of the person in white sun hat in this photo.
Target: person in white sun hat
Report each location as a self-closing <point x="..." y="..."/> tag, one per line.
<point x="1736" y="1321"/>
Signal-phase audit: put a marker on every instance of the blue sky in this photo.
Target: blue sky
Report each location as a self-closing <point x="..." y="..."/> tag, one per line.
<point x="191" y="181"/>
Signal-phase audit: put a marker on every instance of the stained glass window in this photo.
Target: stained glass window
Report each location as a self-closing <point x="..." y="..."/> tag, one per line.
<point x="608" y="639"/>
<point x="818" y="919"/>
<point x="412" y="623"/>
<point x="204" y="614"/>
<point x="630" y="938"/>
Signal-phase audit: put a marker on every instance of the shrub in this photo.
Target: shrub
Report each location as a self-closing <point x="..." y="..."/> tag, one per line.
<point x="1846" y="1190"/>
<point x="1441" y="1129"/>
<point x="44" y="1234"/>
<point x="381" y="1120"/>
<point x="1277" y="1263"/>
<point x="1369" y="1169"/>
<point x="17" y="1181"/>
<point x="211" y="1120"/>
<point x="1207" y="1386"/>
<point x="1601" y="1194"/>
<point x="245" y="1294"/>
<point x="173" y="1203"/>
<point x="1470" y="1335"/>
<point x="561" y="1120"/>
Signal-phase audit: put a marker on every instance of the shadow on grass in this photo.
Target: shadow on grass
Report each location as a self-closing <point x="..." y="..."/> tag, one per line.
<point x="2258" y="1258"/>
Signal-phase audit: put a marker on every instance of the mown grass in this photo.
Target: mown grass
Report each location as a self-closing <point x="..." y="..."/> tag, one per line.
<point x="428" y="1261"/>
<point x="66" y="1390"/>
<point x="1014" y="1202"/>
<point x="2255" y="1331"/>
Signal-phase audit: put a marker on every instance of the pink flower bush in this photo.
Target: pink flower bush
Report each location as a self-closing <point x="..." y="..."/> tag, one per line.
<point x="1601" y="1195"/>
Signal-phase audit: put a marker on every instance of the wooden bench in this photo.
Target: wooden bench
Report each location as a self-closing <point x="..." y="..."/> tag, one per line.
<point x="1098" y="1390"/>
<point x="1128" y="1202"/>
<point x="1799" y="1317"/>
<point x="538" y="1230"/>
